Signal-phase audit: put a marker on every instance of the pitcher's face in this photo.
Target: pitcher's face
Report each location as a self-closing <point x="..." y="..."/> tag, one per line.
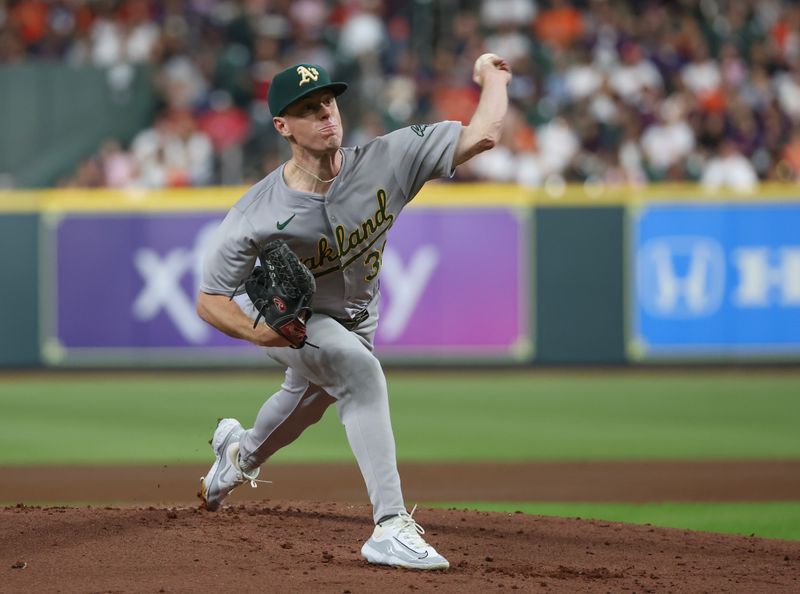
<point x="313" y="122"/>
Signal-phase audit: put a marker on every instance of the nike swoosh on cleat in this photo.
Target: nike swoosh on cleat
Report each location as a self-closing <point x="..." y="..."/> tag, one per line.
<point x="228" y="471"/>
<point x="419" y="555"/>
<point x="281" y="226"/>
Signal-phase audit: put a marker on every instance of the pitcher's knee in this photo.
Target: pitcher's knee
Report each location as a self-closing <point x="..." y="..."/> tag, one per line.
<point x="354" y="365"/>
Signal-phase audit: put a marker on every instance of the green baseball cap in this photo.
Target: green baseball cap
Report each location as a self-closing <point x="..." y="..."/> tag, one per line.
<point x="298" y="81"/>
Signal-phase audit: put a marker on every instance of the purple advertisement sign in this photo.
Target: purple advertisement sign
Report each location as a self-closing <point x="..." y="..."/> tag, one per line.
<point x="453" y="282"/>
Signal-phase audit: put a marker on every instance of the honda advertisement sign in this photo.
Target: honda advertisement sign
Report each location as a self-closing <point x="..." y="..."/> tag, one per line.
<point x="715" y="281"/>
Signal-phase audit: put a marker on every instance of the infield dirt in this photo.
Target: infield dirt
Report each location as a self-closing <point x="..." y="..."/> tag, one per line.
<point x="624" y="481"/>
<point x="276" y="542"/>
<point x="314" y="547"/>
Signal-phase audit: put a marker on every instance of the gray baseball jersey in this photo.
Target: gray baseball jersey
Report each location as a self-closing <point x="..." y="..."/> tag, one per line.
<point x="339" y="236"/>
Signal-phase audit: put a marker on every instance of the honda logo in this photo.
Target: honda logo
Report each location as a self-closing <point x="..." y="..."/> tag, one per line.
<point x="681" y="277"/>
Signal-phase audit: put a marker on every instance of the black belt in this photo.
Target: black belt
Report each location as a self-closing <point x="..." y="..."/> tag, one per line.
<point x="354" y="322"/>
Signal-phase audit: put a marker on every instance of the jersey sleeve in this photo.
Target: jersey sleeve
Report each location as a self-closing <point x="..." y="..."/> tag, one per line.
<point x="422" y="152"/>
<point x="230" y="255"/>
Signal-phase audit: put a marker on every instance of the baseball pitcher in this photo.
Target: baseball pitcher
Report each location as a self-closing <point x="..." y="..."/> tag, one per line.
<point x="295" y="268"/>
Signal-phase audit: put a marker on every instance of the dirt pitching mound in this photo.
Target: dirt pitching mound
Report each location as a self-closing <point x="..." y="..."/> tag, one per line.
<point x="315" y="547"/>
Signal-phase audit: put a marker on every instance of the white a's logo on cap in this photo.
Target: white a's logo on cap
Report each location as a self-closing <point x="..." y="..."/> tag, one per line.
<point x="307" y="74"/>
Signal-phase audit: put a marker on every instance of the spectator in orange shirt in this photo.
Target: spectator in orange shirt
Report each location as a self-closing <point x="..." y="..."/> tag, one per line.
<point x="561" y="24"/>
<point x="30" y="18"/>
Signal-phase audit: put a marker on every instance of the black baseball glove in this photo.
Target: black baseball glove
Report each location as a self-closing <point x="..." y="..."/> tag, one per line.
<point x="281" y="290"/>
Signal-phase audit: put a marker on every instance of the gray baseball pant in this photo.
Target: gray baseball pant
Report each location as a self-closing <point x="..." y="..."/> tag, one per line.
<point x="345" y="372"/>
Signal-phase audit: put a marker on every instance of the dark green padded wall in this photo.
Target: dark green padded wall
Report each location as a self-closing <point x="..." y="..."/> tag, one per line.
<point x="579" y="285"/>
<point x="52" y="116"/>
<point x="19" y="294"/>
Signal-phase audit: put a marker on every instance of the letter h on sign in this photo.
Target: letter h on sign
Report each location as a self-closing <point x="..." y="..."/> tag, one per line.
<point x="758" y="276"/>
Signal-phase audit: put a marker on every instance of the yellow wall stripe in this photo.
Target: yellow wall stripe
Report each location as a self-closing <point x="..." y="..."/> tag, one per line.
<point x="435" y="195"/>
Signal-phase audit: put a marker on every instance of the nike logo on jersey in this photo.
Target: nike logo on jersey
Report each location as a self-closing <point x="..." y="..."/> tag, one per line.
<point x="282" y="226"/>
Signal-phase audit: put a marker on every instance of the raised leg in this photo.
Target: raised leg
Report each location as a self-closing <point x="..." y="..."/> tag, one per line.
<point x="283" y="417"/>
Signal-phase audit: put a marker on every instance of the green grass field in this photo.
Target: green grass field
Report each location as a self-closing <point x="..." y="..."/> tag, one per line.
<point x="498" y="415"/>
<point x="778" y="519"/>
<point x="133" y="418"/>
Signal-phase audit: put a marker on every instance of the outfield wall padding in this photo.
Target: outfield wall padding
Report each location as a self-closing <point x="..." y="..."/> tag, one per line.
<point x="474" y="274"/>
<point x="579" y="285"/>
<point x="19" y="296"/>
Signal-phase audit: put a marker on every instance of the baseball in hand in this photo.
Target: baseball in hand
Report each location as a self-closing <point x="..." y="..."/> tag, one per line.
<point x="491" y="60"/>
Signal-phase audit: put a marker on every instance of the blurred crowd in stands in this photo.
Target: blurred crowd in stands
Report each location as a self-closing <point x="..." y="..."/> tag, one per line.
<point x="608" y="91"/>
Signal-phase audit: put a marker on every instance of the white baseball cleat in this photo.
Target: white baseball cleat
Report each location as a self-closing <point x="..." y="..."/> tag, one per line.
<point x="397" y="542"/>
<point x="225" y="474"/>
